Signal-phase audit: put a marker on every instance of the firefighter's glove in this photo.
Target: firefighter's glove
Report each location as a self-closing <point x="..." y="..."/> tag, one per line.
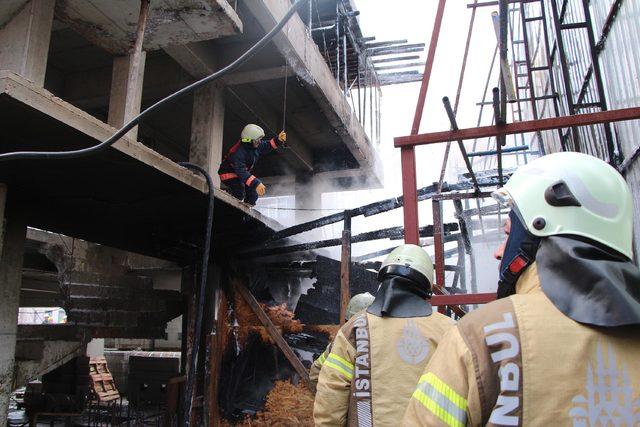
<point x="261" y="189"/>
<point x="282" y="137"/>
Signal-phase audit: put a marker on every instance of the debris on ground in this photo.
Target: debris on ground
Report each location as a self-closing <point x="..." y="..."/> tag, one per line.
<point x="287" y="405"/>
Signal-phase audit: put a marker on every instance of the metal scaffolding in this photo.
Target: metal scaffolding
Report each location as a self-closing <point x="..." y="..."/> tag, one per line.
<point x="558" y="98"/>
<point x="361" y="65"/>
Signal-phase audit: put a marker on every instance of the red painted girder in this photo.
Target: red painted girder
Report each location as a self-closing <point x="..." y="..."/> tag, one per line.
<point x="520" y="127"/>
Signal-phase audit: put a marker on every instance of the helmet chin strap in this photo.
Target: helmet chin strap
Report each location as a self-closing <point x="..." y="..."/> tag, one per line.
<point x="519" y="253"/>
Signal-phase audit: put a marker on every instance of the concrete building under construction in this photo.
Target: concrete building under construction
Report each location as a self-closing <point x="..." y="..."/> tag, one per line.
<point x="144" y="293"/>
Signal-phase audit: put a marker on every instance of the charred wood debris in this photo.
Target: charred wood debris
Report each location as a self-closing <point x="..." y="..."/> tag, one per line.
<point x="302" y="299"/>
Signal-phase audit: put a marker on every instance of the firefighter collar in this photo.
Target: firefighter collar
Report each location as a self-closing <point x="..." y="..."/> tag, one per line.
<point x="519" y="254"/>
<point x="588" y="283"/>
<point x="529" y="282"/>
<point x="400" y="297"/>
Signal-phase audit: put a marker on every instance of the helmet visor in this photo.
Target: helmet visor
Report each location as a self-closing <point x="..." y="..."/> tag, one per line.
<point x="504" y="199"/>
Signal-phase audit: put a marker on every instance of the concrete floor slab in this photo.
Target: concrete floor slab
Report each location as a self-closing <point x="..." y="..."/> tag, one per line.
<point x="127" y="197"/>
<point x="111" y="24"/>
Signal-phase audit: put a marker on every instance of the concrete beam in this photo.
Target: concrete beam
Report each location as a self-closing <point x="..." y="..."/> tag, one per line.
<point x="247" y="101"/>
<point x="207" y="126"/>
<point x="13" y="232"/>
<point x="244" y="77"/>
<point x="24" y="41"/>
<point x="200" y="61"/>
<point x="305" y="58"/>
<point x="195" y="58"/>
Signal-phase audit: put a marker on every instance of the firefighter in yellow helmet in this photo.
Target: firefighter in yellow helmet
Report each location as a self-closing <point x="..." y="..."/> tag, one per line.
<point x="357" y="303"/>
<point x="235" y="169"/>
<point x="378" y="355"/>
<point x="560" y="345"/>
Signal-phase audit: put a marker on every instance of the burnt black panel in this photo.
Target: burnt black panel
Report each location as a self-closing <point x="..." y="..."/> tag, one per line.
<point x="321" y="305"/>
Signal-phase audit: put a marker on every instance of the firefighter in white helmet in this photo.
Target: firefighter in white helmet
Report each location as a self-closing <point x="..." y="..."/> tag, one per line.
<point x="378" y="355"/>
<point x="235" y="169"/>
<point x="357" y="303"/>
<point x="560" y="346"/>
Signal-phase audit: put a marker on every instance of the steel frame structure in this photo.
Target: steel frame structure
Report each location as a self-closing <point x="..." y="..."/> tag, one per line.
<point x="596" y="105"/>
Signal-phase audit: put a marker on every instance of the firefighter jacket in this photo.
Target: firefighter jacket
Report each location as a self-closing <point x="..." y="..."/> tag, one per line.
<point x="241" y="158"/>
<point x="520" y="361"/>
<point x="372" y="368"/>
<point x="314" y="370"/>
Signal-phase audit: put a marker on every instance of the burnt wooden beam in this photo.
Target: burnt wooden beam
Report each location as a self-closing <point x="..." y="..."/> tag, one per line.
<point x="345" y="269"/>
<point x="275" y="335"/>
<point x="386" y="233"/>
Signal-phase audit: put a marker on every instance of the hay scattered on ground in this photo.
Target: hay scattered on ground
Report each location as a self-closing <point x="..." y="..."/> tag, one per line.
<point x="287" y="405"/>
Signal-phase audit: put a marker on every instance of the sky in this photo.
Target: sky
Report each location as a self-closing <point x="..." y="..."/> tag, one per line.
<point x="413" y="20"/>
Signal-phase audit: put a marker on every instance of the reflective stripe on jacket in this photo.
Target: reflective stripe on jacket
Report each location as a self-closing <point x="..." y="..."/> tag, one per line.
<point x="240" y="160"/>
<point x="398" y="352"/>
<point x="520" y="361"/>
<point x="316" y="366"/>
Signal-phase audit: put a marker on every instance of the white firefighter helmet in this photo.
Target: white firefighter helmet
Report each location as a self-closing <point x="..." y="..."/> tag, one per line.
<point x="358" y="302"/>
<point x="410" y="261"/>
<point x="572" y="194"/>
<point x="251" y="133"/>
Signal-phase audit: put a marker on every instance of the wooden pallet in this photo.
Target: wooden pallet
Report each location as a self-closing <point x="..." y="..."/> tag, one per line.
<point x="102" y="384"/>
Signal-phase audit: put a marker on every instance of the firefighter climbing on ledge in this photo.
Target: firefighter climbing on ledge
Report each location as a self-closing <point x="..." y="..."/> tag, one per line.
<point x="235" y="169"/>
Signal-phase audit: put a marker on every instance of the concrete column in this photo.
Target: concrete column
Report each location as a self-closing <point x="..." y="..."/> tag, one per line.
<point x="13" y="233"/>
<point x="24" y="41"/>
<point x="125" y="97"/>
<point x="207" y="126"/>
<point x="307" y="196"/>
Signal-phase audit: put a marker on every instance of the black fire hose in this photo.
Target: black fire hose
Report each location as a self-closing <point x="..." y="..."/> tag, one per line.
<point x="41" y="155"/>
<point x="193" y="357"/>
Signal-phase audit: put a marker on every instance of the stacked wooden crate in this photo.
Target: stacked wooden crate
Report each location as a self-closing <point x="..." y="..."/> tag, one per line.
<point x="102" y="384"/>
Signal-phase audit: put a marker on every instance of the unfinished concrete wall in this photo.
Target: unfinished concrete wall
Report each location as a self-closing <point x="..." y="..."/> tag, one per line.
<point x="13" y="230"/>
<point x="207" y="130"/>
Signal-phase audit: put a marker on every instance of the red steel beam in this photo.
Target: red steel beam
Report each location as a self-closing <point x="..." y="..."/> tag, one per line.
<point x="462" y="299"/>
<point x="410" y="196"/>
<point x="408" y="156"/>
<point x="520" y="127"/>
<point x="426" y="77"/>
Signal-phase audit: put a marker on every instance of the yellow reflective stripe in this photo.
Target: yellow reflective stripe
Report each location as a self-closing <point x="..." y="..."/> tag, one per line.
<point x="443" y="388"/>
<point x="321" y="359"/>
<point x="339" y="364"/>
<point x="435" y="395"/>
<point x="338" y="368"/>
<point x="436" y="409"/>
<point x="341" y="360"/>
